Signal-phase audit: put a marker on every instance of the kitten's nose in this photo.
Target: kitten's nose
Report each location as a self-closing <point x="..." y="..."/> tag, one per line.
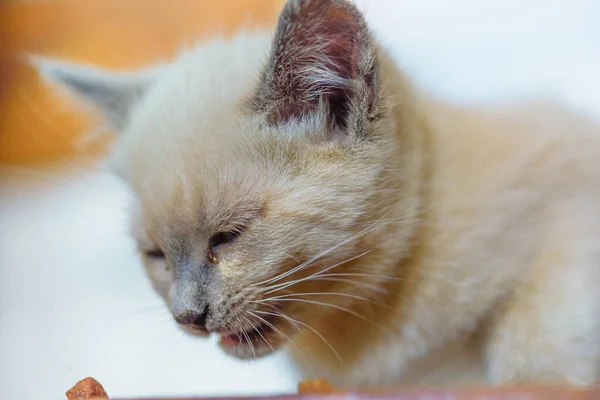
<point x="193" y="319"/>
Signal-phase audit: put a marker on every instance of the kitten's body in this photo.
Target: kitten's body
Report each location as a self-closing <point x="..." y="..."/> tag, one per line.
<point x="506" y="262"/>
<point x="441" y="228"/>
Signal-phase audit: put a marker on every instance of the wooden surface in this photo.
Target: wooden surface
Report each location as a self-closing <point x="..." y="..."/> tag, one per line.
<point x="465" y="394"/>
<point x="37" y="128"/>
<point x="316" y="389"/>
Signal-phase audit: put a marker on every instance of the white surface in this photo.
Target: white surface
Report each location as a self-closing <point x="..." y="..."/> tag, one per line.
<point x="73" y="299"/>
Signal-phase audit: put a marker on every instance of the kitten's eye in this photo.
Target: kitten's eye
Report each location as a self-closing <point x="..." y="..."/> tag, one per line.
<point x="217" y="242"/>
<point x="156" y="254"/>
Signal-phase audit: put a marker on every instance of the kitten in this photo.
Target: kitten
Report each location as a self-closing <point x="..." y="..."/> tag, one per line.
<point x="299" y="192"/>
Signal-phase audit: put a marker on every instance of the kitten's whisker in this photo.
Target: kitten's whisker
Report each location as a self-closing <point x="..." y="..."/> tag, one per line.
<point x="250" y="344"/>
<point x="293" y="258"/>
<point x="363" y="275"/>
<point x="362" y="317"/>
<point x="291" y="320"/>
<point x="270" y="325"/>
<point x="353" y="296"/>
<point x="284" y="285"/>
<point x="295" y="321"/>
<point x="318" y="256"/>
<point x="249" y="341"/>
<point x="261" y="335"/>
<point x="280" y="286"/>
<point x="283" y="335"/>
<point x="390" y="220"/>
<point x="365" y="285"/>
<point x="239" y="337"/>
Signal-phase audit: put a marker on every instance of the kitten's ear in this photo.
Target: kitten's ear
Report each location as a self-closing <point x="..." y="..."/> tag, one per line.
<point x="322" y="60"/>
<point x="111" y="93"/>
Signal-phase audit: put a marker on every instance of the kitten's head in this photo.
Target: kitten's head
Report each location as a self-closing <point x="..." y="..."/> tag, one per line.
<point x="256" y="173"/>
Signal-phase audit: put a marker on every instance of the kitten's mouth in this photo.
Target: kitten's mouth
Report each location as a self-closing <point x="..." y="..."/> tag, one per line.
<point x="255" y="337"/>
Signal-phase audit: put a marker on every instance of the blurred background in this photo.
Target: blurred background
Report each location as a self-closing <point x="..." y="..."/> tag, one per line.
<point x="74" y="301"/>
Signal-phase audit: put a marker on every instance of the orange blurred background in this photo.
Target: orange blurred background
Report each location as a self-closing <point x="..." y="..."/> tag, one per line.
<point x="36" y="126"/>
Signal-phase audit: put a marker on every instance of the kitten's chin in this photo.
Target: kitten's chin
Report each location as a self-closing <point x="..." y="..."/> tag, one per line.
<point x="258" y="341"/>
<point x="244" y="351"/>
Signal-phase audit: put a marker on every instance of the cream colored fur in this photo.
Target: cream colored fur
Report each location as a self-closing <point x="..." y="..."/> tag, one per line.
<point x="473" y="235"/>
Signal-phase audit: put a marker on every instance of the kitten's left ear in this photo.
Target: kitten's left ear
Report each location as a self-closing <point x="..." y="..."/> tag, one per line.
<point x="322" y="63"/>
<point x="113" y="94"/>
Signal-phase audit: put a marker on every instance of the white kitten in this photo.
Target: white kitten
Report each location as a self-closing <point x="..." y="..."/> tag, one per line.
<point x="313" y="198"/>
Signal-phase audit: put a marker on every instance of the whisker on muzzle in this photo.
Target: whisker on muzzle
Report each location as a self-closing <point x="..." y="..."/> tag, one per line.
<point x="296" y="323"/>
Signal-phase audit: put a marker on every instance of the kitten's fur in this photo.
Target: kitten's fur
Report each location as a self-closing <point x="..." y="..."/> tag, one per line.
<point x="456" y="244"/>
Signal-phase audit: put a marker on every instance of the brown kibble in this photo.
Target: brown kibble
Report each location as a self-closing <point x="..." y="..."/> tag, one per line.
<point x="87" y="388"/>
<point x="315" y="386"/>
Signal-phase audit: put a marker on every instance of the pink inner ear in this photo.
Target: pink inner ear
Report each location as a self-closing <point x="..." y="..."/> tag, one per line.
<point x="315" y="56"/>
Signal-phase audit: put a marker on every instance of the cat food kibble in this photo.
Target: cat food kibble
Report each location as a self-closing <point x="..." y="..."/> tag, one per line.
<point x="87" y="388"/>
<point x="315" y="386"/>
